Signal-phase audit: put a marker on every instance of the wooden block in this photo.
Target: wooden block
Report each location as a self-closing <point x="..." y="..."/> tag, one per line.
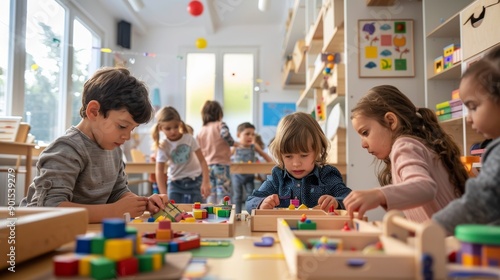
<point x="225" y="229"/>
<point x="38" y="230"/>
<point x="438" y="64"/>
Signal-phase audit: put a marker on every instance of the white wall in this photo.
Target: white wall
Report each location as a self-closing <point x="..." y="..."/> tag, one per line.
<point x="361" y="167"/>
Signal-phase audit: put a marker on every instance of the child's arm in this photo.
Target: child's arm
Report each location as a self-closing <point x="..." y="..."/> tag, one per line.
<point x="161" y="177"/>
<point x="268" y="188"/>
<point x="205" y="185"/>
<point x="263" y="154"/>
<point x="129" y="202"/>
<point x="226" y="135"/>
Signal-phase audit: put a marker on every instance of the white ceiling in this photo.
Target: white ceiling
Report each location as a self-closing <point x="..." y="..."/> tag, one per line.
<point x="216" y="15"/>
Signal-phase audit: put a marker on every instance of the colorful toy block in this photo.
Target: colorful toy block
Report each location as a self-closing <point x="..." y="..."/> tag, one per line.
<point x="306" y="225"/>
<point x="480" y="245"/>
<point x="438" y="64"/>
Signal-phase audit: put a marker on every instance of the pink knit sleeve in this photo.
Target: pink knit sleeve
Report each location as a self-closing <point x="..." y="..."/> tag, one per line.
<point x="412" y="184"/>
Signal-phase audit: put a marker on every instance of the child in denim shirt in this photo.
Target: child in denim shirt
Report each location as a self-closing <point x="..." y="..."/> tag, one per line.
<point x="245" y="153"/>
<point x="300" y="149"/>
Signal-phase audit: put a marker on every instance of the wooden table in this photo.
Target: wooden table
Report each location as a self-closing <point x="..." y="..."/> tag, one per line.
<point x="22" y="149"/>
<point x="236" y="168"/>
<point x="234" y="267"/>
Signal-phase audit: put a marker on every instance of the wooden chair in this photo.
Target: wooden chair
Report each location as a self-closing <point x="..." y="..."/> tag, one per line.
<point x="21" y="137"/>
<point x="139" y="157"/>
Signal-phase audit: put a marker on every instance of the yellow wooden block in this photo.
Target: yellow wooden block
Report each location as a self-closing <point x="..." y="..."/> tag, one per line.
<point x="157" y="261"/>
<point x="136" y="221"/>
<point x="118" y="249"/>
<point x="84" y="265"/>
<point x="470" y="260"/>
<point x="160" y="218"/>
<point x="190" y="220"/>
<point x="303" y="206"/>
<point x="164" y="234"/>
<point x="291" y="207"/>
<point x="198" y="213"/>
<point x="142" y="248"/>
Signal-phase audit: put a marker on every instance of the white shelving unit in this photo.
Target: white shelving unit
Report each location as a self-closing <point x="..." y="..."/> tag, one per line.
<point x="442" y="27"/>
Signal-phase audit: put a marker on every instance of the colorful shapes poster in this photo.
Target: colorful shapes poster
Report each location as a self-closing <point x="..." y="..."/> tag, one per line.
<point x="386" y="48"/>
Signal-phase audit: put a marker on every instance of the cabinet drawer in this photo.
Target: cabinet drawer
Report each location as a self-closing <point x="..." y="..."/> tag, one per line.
<point x="480" y="23"/>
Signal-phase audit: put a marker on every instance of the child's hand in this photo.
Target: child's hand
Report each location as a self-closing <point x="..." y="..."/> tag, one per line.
<point x="205" y="190"/>
<point x="135" y="205"/>
<point x="157" y="202"/>
<point x="325" y="201"/>
<point x="362" y="201"/>
<point x="270" y="202"/>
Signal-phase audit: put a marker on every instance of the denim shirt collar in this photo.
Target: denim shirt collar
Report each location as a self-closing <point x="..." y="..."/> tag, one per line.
<point x="315" y="173"/>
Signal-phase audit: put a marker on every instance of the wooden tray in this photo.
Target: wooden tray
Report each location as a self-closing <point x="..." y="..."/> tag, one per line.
<point x="33" y="231"/>
<point x="265" y="219"/>
<point x="403" y="256"/>
<point x="204" y="229"/>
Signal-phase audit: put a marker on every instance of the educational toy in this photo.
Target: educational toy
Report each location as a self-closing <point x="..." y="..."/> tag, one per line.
<point x="212" y="226"/>
<point x="125" y="252"/>
<point x="390" y="254"/>
<point x="34" y="231"/>
<point x="265" y="219"/>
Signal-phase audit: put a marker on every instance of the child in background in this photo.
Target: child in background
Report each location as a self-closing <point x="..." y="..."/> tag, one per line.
<point x="245" y="153"/>
<point x="480" y="92"/>
<point x="422" y="171"/>
<point x="188" y="178"/>
<point x="84" y="168"/>
<point x="300" y="148"/>
<point x="215" y="142"/>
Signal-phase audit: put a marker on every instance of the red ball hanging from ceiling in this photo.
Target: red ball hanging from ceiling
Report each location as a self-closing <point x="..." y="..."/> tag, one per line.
<point x="195" y="8"/>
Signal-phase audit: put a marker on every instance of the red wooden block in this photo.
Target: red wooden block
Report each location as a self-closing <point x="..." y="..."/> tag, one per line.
<point x="127" y="267"/>
<point x="65" y="266"/>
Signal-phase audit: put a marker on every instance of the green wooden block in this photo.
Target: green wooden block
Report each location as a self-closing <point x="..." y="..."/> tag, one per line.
<point x="102" y="268"/>
<point x="210" y="209"/>
<point x="145" y="262"/>
<point x="307" y="225"/>
<point x="223" y="213"/>
<point x="97" y="245"/>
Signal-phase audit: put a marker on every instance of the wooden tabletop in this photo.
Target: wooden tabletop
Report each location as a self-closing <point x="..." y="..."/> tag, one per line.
<point x="234" y="267"/>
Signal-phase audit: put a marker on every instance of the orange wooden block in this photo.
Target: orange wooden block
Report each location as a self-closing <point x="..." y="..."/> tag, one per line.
<point x="470" y="260"/>
<point x="490" y="256"/>
<point x="164" y="234"/>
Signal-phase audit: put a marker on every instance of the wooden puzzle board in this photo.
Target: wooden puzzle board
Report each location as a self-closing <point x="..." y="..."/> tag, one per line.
<point x="265" y="219"/>
<point x="38" y="230"/>
<point x="211" y="227"/>
<point x="401" y="259"/>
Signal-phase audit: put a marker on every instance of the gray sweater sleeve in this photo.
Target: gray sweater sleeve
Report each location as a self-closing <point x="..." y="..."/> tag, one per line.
<point x="481" y="202"/>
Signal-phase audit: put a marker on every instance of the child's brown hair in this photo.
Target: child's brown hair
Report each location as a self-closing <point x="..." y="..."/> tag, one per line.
<point x="211" y="112"/>
<point x="166" y="114"/>
<point x="296" y="133"/>
<point x="418" y="123"/>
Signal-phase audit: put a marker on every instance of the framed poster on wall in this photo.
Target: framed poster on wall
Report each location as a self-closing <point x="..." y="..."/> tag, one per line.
<point x="386" y="48"/>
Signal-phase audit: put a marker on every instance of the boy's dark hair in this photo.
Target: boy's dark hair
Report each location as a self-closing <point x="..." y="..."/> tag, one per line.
<point x="211" y="112"/>
<point x="115" y="88"/>
<point x="244" y="126"/>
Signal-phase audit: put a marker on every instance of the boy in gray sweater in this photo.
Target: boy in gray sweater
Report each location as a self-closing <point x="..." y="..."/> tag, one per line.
<point x="84" y="167"/>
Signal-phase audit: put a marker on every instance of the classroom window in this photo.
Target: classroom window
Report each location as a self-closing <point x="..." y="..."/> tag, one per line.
<point x="223" y="75"/>
<point x="200" y="85"/>
<point x="44" y="57"/>
<point x="85" y="62"/>
<point x="4" y="54"/>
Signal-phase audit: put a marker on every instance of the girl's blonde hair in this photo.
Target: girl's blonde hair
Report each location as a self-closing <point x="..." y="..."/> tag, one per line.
<point x="418" y="123"/>
<point x="296" y="133"/>
<point x="166" y="114"/>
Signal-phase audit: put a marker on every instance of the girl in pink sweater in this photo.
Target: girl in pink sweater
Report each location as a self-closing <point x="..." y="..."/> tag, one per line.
<point x="420" y="170"/>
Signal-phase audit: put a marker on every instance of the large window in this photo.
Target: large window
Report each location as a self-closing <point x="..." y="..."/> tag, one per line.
<point x="4" y="55"/>
<point x="44" y="58"/>
<point x="226" y="76"/>
<point x="48" y="49"/>
<point x="85" y="62"/>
